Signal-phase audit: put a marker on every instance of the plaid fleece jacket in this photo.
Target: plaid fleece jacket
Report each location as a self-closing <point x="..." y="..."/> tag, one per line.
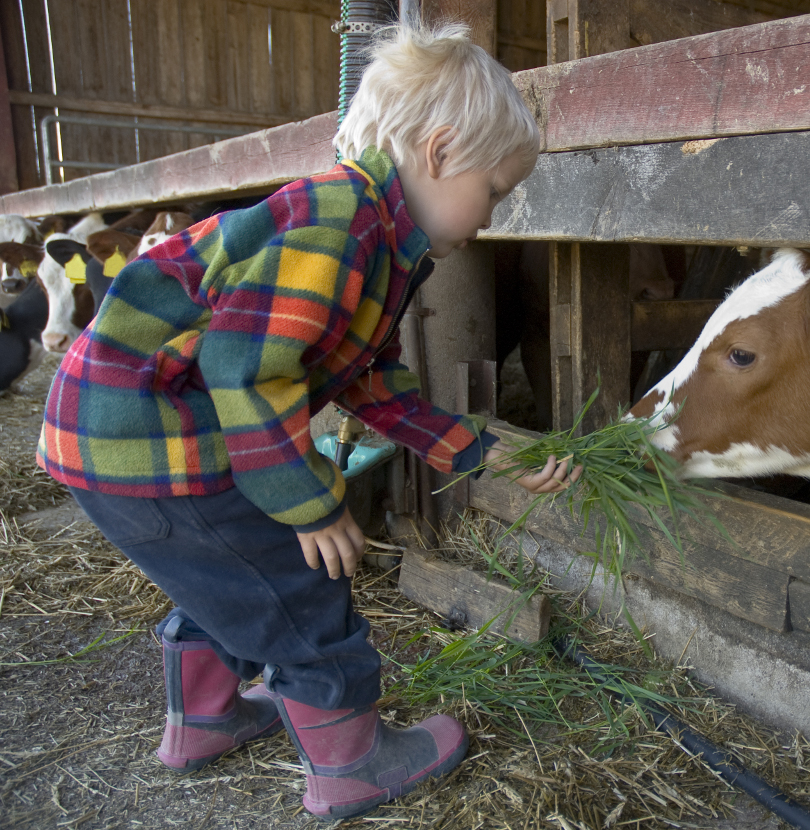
<point x="212" y="351"/>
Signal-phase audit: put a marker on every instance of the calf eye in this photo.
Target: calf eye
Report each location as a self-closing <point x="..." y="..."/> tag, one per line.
<point x="739" y="357"/>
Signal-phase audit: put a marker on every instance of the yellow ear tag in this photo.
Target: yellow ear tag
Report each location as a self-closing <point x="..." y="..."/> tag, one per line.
<point x="113" y="264"/>
<point x="74" y="270"/>
<point x="5" y="323"/>
<point x="28" y="268"/>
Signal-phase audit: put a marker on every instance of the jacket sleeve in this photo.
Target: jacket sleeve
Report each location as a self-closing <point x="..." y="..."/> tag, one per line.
<point x="386" y="398"/>
<point x="267" y="311"/>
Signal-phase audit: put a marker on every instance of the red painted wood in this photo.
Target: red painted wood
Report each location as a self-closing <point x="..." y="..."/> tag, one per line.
<point x="753" y="79"/>
<point x="8" y="156"/>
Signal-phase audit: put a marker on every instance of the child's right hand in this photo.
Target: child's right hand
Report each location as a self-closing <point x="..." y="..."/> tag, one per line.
<point x="339" y="544"/>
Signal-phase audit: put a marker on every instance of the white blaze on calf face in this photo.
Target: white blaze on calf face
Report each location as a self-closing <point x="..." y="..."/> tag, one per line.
<point x="742" y="392"/>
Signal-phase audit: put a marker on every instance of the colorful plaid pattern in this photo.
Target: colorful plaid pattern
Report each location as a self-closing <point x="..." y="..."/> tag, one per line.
<point x="212" y="351"/>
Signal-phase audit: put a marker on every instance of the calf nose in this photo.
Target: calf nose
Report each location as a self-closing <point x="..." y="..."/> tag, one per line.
<point x="12" y="285"/>
<point x="56" y="342"/>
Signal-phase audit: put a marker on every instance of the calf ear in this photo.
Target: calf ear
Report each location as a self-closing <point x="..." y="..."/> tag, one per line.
<point x="63" y="250"/>
<point x="105" y="244"/>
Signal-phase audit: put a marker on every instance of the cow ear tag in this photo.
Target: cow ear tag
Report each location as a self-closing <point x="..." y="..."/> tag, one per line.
<point x="28" y="268"/>
<point x="5" y="323"/>
<point x="75" y="270"/>
<point x="113" y="264"/>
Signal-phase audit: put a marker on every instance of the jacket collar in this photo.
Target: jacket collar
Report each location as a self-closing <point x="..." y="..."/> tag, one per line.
<point x="407" y="242"/>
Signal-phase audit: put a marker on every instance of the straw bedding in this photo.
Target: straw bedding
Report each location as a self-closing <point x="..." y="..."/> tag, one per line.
<point x="77" y="735"/>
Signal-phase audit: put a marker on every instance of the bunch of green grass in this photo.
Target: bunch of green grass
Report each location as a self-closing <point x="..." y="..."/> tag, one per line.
<point x="625" y="476"/>
<point x="522" y="686"/>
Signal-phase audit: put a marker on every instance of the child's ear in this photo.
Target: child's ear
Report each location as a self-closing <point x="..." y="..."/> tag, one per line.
<point x="436" y="150"/>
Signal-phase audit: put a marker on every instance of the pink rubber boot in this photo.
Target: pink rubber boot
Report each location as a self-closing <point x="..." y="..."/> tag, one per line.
<point x="354" y="762"/>
<point x="207" y="716"/>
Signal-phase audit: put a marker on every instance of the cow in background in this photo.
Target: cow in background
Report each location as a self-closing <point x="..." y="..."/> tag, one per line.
<point x="21" y="325"/>
<point x="16" y="228"/>
<point x="742" y="392"/>
<point x="77" y="273"/>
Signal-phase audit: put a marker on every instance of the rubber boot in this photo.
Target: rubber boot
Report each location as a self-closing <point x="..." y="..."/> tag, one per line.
<point x="353" y="762"/>
<point x="207" y="716"/>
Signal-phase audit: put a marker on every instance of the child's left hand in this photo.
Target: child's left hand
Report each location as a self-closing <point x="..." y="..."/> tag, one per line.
<point x="553" y="478"/>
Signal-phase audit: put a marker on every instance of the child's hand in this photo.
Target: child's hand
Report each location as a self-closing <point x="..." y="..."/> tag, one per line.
<point x="553" y="478"/>
<point x="340" y="543"/>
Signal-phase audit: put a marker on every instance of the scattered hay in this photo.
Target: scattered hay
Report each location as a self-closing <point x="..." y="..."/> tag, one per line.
<point x="77" y="738"/>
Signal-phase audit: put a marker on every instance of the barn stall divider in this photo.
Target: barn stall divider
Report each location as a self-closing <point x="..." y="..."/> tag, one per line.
<point x="699" y="141"/>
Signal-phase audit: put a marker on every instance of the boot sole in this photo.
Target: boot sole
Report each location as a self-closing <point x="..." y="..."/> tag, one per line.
<point x="360" y="808"/>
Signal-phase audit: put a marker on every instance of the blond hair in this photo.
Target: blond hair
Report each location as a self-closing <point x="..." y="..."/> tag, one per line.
<point x="420" y="79"/>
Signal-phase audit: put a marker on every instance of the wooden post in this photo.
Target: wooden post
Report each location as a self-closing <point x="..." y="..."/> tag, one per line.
<point x="8" y="155"/>
<point x="588" y="284"/>
<point x="590" y="327"/>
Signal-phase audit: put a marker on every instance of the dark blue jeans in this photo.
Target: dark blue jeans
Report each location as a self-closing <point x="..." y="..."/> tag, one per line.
<point x="240" y="580"/>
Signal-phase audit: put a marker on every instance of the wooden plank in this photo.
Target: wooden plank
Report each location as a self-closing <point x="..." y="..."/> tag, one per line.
<point x="304" y="63"/>
<point x="326" y="72"/>
<point x="254" y="163"/>
<point x="283" y="66"/>
<point x="479" y="15"/>
<point x="323" y="8"/>
<point x="238" y="56"/>
<point x="216" y="54"/>
<point x="746" y="190"/>
<point x="590" y="331"/>
<point x="749" y="581"/>
<point x="260" y="82"/>
<point x="26" y="117"/>
<point x="467" y="598"/>
<point x="8" y="155"/>
<point x="754" y="79"/>
<point x="210" y="116"/>
<point x="686" y="18"/>
<point x="765" y="530"/>
<point x="668" y="324"/>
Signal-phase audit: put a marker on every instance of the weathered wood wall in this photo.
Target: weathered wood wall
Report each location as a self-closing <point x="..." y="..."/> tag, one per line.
<point x="243" y="64"/>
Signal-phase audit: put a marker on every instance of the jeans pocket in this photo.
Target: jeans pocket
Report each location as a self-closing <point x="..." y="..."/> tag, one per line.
<point x="124" y="520"/>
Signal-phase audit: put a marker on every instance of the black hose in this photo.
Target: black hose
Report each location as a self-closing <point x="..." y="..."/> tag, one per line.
<point x="724" y="763"/>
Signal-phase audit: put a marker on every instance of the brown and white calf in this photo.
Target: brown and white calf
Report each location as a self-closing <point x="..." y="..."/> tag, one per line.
<point x="73" y="296"/>
<point x="742" y="392"/>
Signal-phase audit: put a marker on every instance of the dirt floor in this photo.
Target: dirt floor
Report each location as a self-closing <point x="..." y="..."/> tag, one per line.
<point x="81" y="711"/>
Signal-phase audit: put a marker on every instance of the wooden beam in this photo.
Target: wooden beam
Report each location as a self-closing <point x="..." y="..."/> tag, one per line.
<point x="668" y="324"/>
<point x="747" y="575"/>
<point x="323" y="8"/>
<point x="255" y="163"/>
<point x="754" y="79"/>
<point x="126" y="110"/>
<point x="8" y="156"/>
<point x="589" y="289"/>
<point x="468" y="599"/>
<point x="746" y="190"/>
<point x="686" y="18"/>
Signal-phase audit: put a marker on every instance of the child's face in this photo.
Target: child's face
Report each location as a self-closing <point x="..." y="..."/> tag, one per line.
<point x="452" y="209"/>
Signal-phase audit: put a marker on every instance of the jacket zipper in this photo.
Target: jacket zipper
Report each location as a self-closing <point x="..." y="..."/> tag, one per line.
<point x="395" y="320"/>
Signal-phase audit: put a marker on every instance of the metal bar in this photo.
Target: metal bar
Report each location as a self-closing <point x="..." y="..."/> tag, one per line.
<point x="109" y="122"/>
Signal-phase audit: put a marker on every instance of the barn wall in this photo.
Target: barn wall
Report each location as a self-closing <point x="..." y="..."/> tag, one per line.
<point x="238" y="65"/>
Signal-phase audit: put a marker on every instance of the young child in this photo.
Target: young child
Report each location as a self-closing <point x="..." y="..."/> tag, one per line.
<point x="180" y="418"/>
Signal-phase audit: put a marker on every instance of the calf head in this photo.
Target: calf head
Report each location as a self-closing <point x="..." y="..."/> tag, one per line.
<point x="166" y="224"/>
<point x="18" y="265"/>
<point x="70" y="302"/>
<point x="742" y="393"/>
